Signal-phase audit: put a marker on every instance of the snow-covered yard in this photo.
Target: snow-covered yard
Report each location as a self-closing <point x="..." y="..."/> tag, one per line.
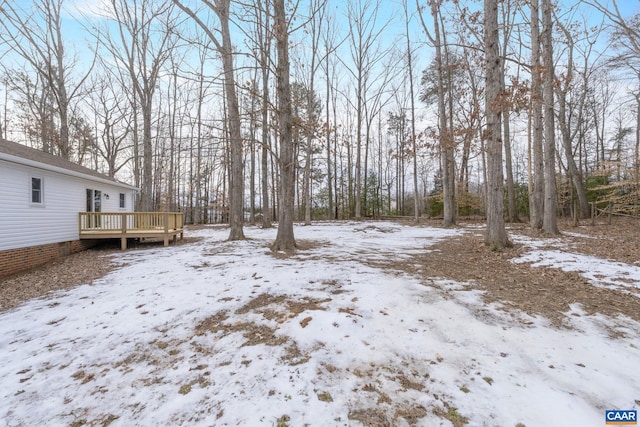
<point x="226" y="334"/>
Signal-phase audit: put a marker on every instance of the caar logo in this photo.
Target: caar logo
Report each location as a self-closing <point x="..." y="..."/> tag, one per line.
<point x="621" y="418"/>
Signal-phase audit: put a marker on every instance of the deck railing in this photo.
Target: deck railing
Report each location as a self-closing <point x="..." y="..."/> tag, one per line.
<point x="130" y="224"/>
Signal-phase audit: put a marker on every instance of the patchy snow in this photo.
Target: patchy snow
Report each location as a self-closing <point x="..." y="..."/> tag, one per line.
<point x="554" y="253"/>
<point x="224" y="333"/>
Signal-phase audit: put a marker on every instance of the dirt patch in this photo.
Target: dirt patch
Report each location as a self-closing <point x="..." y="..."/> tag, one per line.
<point x="257" y="334"/>
<point x="253" y="333"/>
<point x="540" y="291"/>
<point x="61" y="274"/>
<point x="378" y="417"/>
<point x="412" y="414"/>
<point x="451" y="413"/>
<point x="372" y="417"/>
<point x="213" y="323"/>
<point x="293" y="355"/>
<point x="280" y="307"/>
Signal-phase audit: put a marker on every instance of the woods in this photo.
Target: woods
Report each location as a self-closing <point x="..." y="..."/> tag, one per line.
<point x="264" y="111"/>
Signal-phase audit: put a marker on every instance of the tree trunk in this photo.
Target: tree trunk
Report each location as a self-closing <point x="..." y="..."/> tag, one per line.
<point x="236" y="187"/>
<point x="512" y="210"/>
<point x="285" y="240"/>
<point x="496" y="236"/>
<point x="565" y="126"/>
<point x="536" y="196"/>
<point x="147" y="156"/>
<point x="550" y="225"/>
<point x="171" y="179"/>
<point x="358" y="188"/>
<point x="236" y="172"/>
<point x="266" y="212"/>
<point x="636" y="156"/>
<point x="330" y="213"/>
<point x="311" y="116"/>
<point x="574" y="172"/>
<point x="201" y="97"/>
<point x="252" y="172"/>
<point x="511" y="191"/>
<point x="414" y="144"/>
<point x="447" y="160"/>
<point x="265" y="49"/>
<point x="337" y="197"/>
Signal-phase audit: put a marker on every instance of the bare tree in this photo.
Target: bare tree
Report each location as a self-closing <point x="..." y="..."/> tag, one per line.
<point x="113" y="123"/>
<point x="285" y="239"/>
<point x="414" y="143"/>
<point x="141" y="45"/>
<point x="569" y="94"/>
<point x="34" y="109"/>
<point x="625" y="27"/>
<point x="223" y="45"/>
<point x="317" y="12"/>
<point x="259" y="34"/>
<point x="365" y="33"/>
<point x="536" y="162"/>
<point x="331" y="43"/>
<point x="447" y="143"/>
<point x="496" y="236"/>
<point x="549" y="223"/>
<point x="626" y="37"/>
<point x="377" y="98"/>
<point x="508" y="9"/>
<point x="264" y="42"/>
<point x="37" y="37"/>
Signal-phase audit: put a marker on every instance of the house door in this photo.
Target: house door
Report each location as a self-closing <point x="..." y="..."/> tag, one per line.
<point x="94" y="204"/>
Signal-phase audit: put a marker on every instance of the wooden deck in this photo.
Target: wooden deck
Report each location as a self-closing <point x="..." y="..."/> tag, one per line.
<point x="128" y="225"/>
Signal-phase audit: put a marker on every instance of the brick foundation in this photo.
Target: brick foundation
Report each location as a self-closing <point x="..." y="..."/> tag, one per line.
<point x="16" y="260"/>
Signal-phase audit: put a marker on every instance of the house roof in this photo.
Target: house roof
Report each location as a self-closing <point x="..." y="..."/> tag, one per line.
<point x="22" y="154"/>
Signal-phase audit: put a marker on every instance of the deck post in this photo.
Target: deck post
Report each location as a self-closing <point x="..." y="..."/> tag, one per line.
<point x="123" y="227"/>
<point x="166" y="228"/>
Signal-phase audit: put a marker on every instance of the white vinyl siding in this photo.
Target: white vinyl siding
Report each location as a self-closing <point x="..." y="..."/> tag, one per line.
<point x="21" y="225"/>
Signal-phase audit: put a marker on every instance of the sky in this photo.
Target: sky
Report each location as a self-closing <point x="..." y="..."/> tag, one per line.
<point x="77" y="12"/>
<point x="224" y="333"/>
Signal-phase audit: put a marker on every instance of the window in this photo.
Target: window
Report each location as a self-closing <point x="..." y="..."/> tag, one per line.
<point x="94" y="200"/>
<point x="122" y="206"/>
<point x="37" y="190"/>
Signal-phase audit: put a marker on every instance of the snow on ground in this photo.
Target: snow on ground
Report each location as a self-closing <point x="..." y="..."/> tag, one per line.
<point x="599" y="272"/>
<point x="224" y="333"/>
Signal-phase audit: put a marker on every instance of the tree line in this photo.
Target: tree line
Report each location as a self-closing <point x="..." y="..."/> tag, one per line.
<point x="262" y="111"/>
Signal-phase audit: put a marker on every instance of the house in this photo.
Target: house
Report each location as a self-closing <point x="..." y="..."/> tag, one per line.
<point x="41" y="196"/>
